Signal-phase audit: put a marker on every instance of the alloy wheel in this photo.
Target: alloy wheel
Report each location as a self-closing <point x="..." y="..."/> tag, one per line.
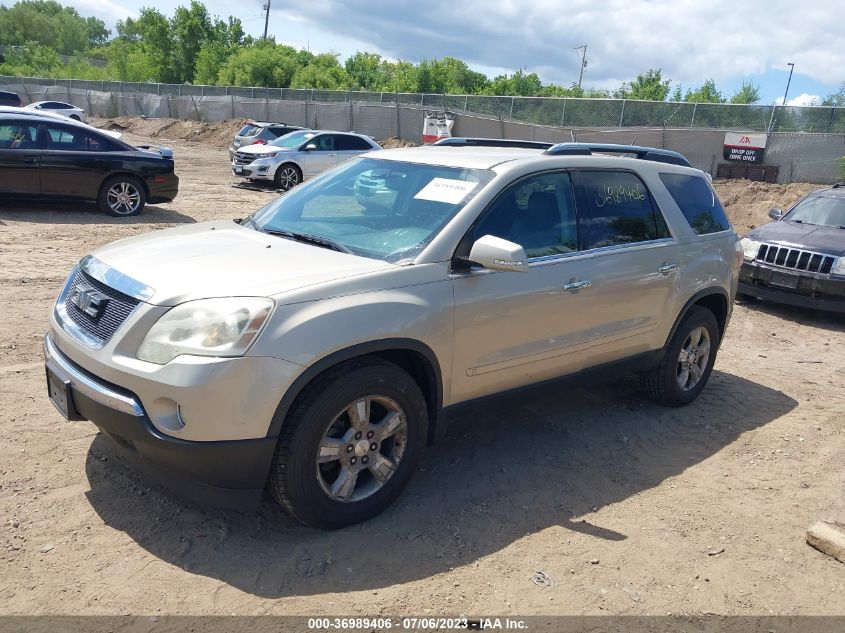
<point x="692" y="361"/>
<point x="123" y="198"/>
<point x="361" y="449"/>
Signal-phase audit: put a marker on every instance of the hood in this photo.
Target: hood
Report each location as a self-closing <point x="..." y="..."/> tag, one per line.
<point x="259" y="148"/>
<point x="820" y="239"/>
<point x="223" y="259"/>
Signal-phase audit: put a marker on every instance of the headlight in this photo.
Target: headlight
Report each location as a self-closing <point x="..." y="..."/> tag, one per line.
<point x="268" y="155"/>
<point x="208" y="327"/>
<point x="838" y="267"/>
<point x="750" y="247"/>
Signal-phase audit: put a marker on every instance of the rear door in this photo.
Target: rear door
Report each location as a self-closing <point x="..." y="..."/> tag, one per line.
<point x="19" y="159"/>
<point x="73" y="161"/>
<point x="349" y="145"/>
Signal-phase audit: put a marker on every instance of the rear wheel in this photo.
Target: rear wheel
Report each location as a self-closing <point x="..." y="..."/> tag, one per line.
<point x="287" y="176"/>
<point x="122" y="196"/>
<point x="350" y="444"/>
<point x="687" y="361"/>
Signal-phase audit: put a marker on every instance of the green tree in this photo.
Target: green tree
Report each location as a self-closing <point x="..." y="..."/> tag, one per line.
<point x="748" y="93"/>
<point x="365" y="71"/>
<point x="707" y="93"/>
<point x="47" y="23"/>
<point x="649" y="86"/>
<point x="835" y="99"/>
<point x="323" y="72"/>
<point x="264" y="63"/>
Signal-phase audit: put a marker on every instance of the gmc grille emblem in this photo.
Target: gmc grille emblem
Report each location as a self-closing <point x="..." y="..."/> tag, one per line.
<point x="89" y="300"/>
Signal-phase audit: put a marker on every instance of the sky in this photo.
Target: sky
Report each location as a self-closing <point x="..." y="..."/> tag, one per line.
<point x="730" y="41"/>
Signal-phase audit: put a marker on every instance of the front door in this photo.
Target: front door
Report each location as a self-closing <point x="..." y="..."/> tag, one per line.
<point x="19" y="158"/>
<point x="73" y="162"/>
<point x="318" y="160"/>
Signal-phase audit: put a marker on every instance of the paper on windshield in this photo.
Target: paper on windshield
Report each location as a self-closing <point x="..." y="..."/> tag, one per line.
<point x="445" y="190"/>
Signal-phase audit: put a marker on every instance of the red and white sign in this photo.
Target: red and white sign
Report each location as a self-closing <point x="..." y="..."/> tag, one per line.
<point x="437" y="125"/>
<point x="745" y="147"/>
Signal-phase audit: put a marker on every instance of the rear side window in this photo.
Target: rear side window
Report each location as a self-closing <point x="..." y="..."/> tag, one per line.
<point x="248" y="130"/>
<point x="280" y="131"/>
<point x="344" y="142"/>
<point x="615" y="207"/>
<point x="698" y="202"/>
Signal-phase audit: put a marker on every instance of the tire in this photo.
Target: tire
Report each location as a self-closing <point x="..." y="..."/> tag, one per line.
<point x="287" y="176"/>
<point x="663" y="383"/>
<point x="112" y="201"/>
<point x="320" y="447"/>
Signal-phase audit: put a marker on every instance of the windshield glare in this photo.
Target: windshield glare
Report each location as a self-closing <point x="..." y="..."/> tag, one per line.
<point x="820" y="210"/>
<point x="292" y="139"/>
<point x="383" y="209"/>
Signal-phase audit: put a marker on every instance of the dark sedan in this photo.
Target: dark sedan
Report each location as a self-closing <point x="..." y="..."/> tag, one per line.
<point x="800" y="258"/>
<point x="43" y="158"/>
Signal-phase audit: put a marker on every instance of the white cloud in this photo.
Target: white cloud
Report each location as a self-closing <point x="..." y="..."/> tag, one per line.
<point x="108" y="11"/>
<point x="690" y="40"/>
<point x="803" y="99"/>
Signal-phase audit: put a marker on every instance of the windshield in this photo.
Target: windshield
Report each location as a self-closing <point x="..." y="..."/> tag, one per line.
<point x="820" y="210"/>
<point x="383" y="209"/>
<point x="293" y="139"/>
<point x="248" y="130"/>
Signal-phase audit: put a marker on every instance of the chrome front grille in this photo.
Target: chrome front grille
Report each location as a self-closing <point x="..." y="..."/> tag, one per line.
<point x="795" y="258"/>
<point x="242" y="158"/>
<point x="112" y="310"/>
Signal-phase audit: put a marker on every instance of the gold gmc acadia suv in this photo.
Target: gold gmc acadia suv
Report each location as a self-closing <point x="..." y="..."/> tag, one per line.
<point x="311" y="348"/>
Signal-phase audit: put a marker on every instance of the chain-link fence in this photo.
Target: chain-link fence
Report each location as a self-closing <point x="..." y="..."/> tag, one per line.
<point x="560" y="112"/>
<point x="800" y="156"/>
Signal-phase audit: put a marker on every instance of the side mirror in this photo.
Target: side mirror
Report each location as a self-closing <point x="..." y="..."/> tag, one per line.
<point x="498" y="254"/>
<point x="310" y="147"/>
<point x="775" y="214"/>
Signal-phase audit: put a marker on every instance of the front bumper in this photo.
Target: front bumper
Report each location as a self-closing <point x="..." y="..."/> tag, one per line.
<point x="792" y="287"/>
<point x="253" y="171"/>
<point x="223" y="473"/>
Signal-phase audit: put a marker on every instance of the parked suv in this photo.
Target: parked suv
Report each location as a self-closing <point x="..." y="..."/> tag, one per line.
<point x="259" y="133"/>
<point x="311" y="347"/>
<point x="799" y="259"/>
<point x="292" y="158"/>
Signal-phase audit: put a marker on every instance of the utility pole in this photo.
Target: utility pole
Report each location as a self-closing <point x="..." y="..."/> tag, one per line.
<point x="785" y="94"/>
<point x="266" y="7"/>
<point x="583" y="55"/>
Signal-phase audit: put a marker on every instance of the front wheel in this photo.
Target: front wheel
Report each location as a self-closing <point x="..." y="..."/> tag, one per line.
<point x="287" y="177"/>
<point x="122" y="196"/>
<point x="687" y="361"/>
<point x="350" y="444"/>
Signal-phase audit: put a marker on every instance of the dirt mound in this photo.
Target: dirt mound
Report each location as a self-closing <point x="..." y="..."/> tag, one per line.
<point x="218" y="134"/>
<point x="747" y="203"/>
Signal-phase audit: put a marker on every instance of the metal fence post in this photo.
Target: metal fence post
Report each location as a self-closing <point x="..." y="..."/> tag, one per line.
<point x="563" y="112"/>
<point x="692" y="119"/>
<point x="511" y="114"/>
<point x="622" y="113"/>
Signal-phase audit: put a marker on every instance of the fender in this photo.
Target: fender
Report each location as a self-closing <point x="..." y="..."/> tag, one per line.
<point x="712" y="290"/>
<point x="361" y="349"/>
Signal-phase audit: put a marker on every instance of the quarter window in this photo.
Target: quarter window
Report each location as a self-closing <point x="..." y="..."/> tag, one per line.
<point x="615" y="207"/>
<point x="347" y="142"/>
<point x="698" y="202"/>
<point x="538" y="213"/>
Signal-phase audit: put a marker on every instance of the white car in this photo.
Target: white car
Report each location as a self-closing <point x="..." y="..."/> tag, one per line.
<point x="294" y="157"/>
<point x="58" y="107"/>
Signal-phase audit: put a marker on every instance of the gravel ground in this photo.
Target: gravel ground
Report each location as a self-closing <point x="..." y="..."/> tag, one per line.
<point x="626" y="507"/>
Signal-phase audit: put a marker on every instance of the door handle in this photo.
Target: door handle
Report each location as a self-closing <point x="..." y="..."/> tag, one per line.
<point x="577" y="285"/>
<point x="665" y="269"/>
<point x="30" y="159"/>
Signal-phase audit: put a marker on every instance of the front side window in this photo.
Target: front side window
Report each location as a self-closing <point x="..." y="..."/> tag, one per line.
<point x="324" y="143"/>
<point x="294" y="139"/>
<point x="17" y="136"/>
<point x="383" y="209"/>
<point x="616" y="208"/>
<point x="698" y="202"/>
<point x="538" y="213"/>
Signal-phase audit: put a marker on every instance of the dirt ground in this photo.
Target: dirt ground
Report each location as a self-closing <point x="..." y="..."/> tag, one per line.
<point x="628" y="508"/>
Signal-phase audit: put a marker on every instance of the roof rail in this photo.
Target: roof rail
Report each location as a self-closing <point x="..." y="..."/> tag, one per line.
<point x="464" y="141"/>
<point x="644" y="153"/>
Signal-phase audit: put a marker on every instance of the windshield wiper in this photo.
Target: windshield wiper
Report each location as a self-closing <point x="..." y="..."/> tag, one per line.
<point x="308" y="239"/>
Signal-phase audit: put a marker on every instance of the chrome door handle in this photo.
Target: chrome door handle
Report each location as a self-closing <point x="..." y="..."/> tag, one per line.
<point x="665" y="269"/>
<point x="577" y="285"/>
